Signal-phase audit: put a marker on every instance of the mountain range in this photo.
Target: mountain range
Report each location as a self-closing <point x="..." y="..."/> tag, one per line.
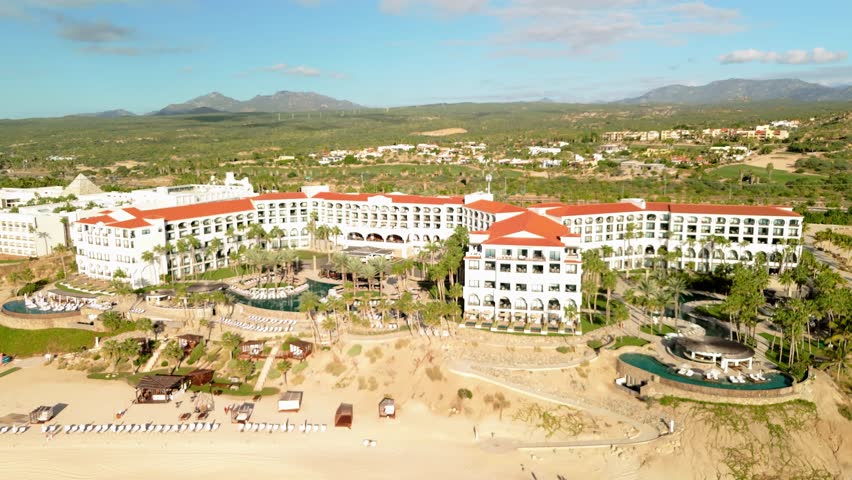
<point x="736" y="90"/>
<point x="282" y="101"/>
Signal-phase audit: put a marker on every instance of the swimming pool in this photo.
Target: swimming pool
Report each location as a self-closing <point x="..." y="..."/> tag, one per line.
<point x="652" y="365"/>
<point x="19" y="306"/>
<point x="288" y="304"/>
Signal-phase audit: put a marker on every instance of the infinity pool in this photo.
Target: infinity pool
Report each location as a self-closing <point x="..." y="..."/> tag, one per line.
<point x="651" y="364"/>
<point x="19" y="306"/>
<point x="288" y="304"/>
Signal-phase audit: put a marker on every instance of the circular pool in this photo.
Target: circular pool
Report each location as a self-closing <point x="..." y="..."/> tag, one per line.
<point x="287" y="304"/>
<point x="652" y="365"/>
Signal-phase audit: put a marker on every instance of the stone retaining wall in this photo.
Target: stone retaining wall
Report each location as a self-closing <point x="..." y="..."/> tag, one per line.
<point x="25" y="321"/>
<point x="658" y="386"/>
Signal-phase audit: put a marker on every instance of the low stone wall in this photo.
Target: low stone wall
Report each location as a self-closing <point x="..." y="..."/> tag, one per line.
<point x="45" y="316"/>
<point x="244" y="309"/>
<point x="24" y="321"/>
<point x="658" y="386"/>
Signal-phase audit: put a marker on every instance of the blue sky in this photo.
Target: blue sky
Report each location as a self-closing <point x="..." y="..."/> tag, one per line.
<point x="71" y="56"/>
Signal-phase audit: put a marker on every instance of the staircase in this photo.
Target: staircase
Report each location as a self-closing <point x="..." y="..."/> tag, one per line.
<point x="152" y="362"/>
<point x="261" y="379"/>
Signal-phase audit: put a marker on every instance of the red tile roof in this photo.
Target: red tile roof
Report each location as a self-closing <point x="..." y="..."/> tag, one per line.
<point x="200" y="210"/>
<point x="395" y="198"/>
<point x="133" y="223"/>
<point x="594" y="209"/>
<point x="96" y="220"/>
<point x="542" y="231"/>
<point x="346" y="197"/>
<point x="494" y="207"/>
<point x="548" y="205"/>
<point x="437" y="200"/>
<point x="280" y="196"/>
<point x="747" y="210"/>
<point x="697" y="209"/>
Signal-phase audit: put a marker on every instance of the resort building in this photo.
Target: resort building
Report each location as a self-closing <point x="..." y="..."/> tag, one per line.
<point x="524" y="269"/>
<point x="34" y="220"/>
<point x="634" y="233"/>
<point x="521" y="265"/>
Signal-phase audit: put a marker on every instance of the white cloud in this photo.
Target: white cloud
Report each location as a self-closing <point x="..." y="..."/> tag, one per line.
<point x="790" y="57"/>
<point x="571" y="27"/>
<point x="453" y="7"/>
<point x="284" y="69"/>
<point x="337" y="75"/>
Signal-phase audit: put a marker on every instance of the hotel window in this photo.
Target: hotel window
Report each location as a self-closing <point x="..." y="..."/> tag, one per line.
<point x="554" y="255"/>
<point x="538" y="269"/>
<point x="792" y="232"/>
<point x="553" y="287"/>
<point x="473" y="264"/>
<point x="735" y="221"/>
<point x="506" y="252"/>
<point x="778" y="232"/>
<point x="490" y="265"/>
<point x="521" y="268"/>
<point x="489" y="253"/>
<point x="521" y="287"/>
<point x="571" y="288"/>
<point x="536" y="288"/>
<point x="570" y="269"/>
<point x="489" y="284"/>
<point x="473" y="283"/>
<point x="764" y="221"/>
<point x="504" y="287"/>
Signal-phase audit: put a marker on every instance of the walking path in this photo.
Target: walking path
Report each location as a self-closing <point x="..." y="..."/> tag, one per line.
<point x="267" y="366"/>
<point x="644" y="433"/>
<point x="155" y="356"/>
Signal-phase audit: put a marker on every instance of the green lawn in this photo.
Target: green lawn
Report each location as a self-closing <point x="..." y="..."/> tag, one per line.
<point x="712" y="310"/>
<point x="628" y="341"/>
<point x="223" y="273"/>
<point x="587" y="326"/>
<point x="28" y="343"/>
<point x="658" y="330"/>
<point x="9" y="262"/>
<point x="732" y="172"/>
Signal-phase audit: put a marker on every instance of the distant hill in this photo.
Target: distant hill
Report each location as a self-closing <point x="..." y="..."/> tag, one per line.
<point x="187" y="111"/>
<point x="282" y="101"/>
<point x="740" y="90"/>
<point x="107" y="114"/>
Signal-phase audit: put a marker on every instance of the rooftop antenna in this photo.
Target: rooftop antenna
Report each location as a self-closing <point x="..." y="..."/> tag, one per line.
<point x="488" y="179"/>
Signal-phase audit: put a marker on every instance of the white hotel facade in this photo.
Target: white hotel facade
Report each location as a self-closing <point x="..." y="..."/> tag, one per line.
<point x="521" y="265"/>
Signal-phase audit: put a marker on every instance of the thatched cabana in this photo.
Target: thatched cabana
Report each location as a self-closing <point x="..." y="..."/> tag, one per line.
<point x="343" y="416"/>
<point x="300" y="349"/>
<point x="242" y="413"/>
<point x="290" y="401"/>
<point x="387" y="408"/>
<point x="189" y="341"/>
<point x="201" y="376"/>
<point x="159" y="388"/>
<point x="251" y="349"/>
<point x="42" y="414"/>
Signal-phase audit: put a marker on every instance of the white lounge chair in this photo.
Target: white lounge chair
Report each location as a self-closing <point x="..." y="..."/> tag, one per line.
<point x="323" y="427"/>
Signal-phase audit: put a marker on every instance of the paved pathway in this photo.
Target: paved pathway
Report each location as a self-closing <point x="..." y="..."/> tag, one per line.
<point x="155" y="356"/>
<point x="644" y="433"/>
<point x="267" y="366"/>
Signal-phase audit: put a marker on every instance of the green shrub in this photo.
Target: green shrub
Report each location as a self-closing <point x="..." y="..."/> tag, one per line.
<point x="299" y="368"/>
<point x="196" y="354"/>
<point x="594" y="344"/>
<point x="434" y="373"/>
<point x="164" y="364"/>
<point x="465" y="393"/>
<point x="354" y="351"/>
<point x="845" y="411"/>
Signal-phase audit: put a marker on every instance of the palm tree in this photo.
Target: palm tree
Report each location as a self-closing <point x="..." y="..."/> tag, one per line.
<point x="213" y="247"/>
<point x="284" y="366"/>
<point x="608" y="282"/>
<point x="173" y="353"/>
<point x="276" y="233"/>
<point x="230" y="341"/>
<point x="329" y="325"/>
<point x="308" y="303"/>
<point x="130" y="349"/>
<point x="676" y="286"/>
<point x="380" y="265"/>
<point x="840" y="355"/>
<point x="112" y="350"/>
<point x="60" y="250"/>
